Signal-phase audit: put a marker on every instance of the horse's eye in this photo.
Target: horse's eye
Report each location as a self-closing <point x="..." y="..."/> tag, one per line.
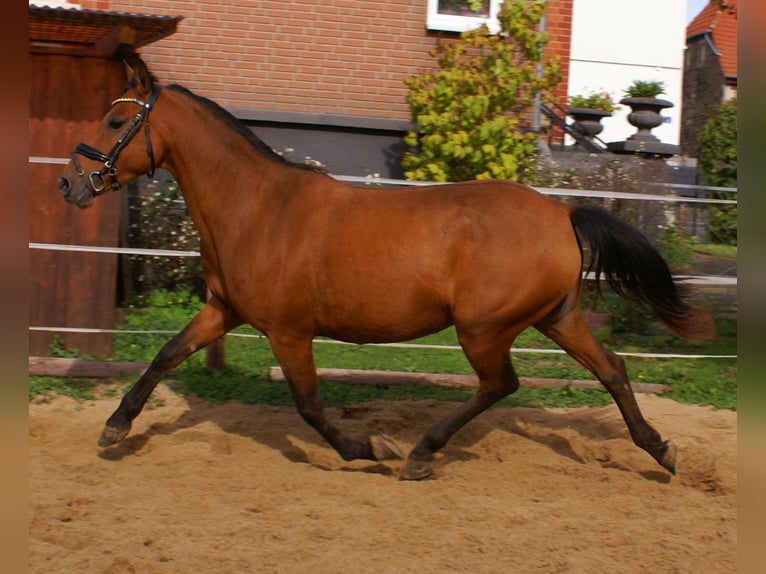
<point x="116" y="123"/>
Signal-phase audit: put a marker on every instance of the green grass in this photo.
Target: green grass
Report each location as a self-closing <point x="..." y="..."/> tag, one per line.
<point x="716" y="249"/>
<point x="40" y="388"/>
<point x="700" y="381"/>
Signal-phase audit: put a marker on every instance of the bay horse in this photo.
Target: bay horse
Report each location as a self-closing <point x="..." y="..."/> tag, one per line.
<point x="297" y="254"/>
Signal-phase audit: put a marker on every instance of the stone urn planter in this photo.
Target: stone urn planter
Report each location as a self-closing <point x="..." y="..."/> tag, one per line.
<point x="587" y="121"/>
<point x="645" y="116"/>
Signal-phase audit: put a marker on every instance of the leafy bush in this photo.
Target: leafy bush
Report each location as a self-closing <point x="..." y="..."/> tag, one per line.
<point x="717" y="157"/>
<point x="468" y="111"/>
<point x="158" y="220"/>
<point x="677" y="250"/>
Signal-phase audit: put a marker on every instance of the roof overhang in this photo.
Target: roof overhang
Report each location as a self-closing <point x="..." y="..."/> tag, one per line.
<point x="98" y="33"/>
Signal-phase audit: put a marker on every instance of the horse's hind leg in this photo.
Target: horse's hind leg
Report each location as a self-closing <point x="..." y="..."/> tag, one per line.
<point x="490" y="358"/>
<point x="295" y="356"/>
<point x="214" y="320"/>
<point x="567" y="328"/>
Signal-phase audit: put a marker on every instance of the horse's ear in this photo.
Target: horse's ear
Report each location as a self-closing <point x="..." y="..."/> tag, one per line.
<point x="139" y="74"/>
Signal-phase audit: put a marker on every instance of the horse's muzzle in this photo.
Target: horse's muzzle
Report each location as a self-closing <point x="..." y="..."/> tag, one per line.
<point x="82" y="199"/>
<point x="64" y="186"/>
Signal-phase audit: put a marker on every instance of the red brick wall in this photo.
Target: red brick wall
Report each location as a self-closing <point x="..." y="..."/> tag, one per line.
<point x="345" y="57"/>
<point x="559" y="27"/>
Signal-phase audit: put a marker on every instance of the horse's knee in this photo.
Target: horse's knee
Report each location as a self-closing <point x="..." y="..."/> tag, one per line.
<point x="615" y="360"/>
<point x="511" y="385"/>
<point x="172" y="353"/>
<point x="494" y="393"/>
<point x="499" y="388"/>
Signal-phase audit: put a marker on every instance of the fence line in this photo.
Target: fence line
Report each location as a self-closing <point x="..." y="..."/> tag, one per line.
<point x="117" y="250"/>
<point x="561" y="191"/>
<point x="627" y="195"/>
<point x="49" y="160"/>
<point x="544" y="190"/>
<point x="390" y="345"/>
<point x="695" y="187"/>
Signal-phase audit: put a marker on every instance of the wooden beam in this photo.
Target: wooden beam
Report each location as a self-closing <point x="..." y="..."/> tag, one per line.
<point x="64" y="367"/>
<point x="121" y="38"/>
<point x="61" y="49"/>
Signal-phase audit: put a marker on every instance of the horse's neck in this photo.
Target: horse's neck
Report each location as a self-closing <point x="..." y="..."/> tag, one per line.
<point x="216" y="172"/>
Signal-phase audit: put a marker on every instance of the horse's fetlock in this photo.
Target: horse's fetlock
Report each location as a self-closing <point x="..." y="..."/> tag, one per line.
<point x="312" y="414"/>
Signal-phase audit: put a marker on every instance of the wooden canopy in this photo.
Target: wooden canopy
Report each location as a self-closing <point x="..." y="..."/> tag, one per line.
<point x="79" y="32"/>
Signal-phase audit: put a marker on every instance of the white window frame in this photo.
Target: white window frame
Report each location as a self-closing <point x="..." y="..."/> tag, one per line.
<point x="462" y="23"/>
<point x="54" y="4"/>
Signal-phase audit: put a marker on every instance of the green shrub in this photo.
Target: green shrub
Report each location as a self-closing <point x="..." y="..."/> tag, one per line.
<point x="677" y="250"/>
<point x="158" y="220"/>
<point x="468" y="111"/>
<point x="717" y="166"/>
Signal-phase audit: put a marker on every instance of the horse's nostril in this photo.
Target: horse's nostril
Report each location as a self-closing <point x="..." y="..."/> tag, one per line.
<point x="63" y="185"/>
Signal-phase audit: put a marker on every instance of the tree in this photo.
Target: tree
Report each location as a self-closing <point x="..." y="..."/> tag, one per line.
<point x="717" y="165"/>
<point x="467" y="112"/>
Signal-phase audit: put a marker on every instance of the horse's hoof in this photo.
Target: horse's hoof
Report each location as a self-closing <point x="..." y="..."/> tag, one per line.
<point x="384" y="447"/>
<point x="416" y="470"/>
<point x="668" y="460"/>
<point x="112" y="435"/>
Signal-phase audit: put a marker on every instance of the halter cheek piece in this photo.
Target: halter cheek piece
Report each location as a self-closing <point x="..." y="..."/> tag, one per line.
<point x="97" y="179"/>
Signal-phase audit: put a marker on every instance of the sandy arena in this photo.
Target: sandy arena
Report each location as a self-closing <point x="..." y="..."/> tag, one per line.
<point x="231" y="488"/>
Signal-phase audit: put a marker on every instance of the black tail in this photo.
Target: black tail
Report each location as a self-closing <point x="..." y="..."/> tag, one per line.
<point x="636" y="271"/>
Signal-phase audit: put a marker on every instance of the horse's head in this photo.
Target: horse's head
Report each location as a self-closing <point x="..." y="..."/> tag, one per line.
<point x="124" y="134"/>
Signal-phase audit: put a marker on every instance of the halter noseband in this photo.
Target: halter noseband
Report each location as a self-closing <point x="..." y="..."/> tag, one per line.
<point x="97" y="179"/>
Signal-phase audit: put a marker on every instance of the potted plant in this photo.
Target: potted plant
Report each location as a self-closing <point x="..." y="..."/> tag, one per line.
<point x="645" y="107"/>
<point x="596" y="101"/>
<point x="645" y="89"/>
<point x="587" y="112"/>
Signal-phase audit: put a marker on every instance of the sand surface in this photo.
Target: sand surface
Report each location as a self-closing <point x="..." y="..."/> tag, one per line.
<point x="232" y="488"/>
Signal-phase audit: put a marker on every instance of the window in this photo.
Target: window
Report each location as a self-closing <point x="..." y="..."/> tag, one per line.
<point x="462" y="15"/>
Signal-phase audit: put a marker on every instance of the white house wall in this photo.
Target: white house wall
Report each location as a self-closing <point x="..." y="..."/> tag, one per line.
<point x="615" y="42"/>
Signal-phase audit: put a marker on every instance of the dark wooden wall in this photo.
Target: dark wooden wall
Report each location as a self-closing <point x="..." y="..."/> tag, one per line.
<point x="703" y="91"/>
<point x="68" y="96"/>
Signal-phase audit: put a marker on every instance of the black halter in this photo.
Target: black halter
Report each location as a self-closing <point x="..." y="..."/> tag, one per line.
<point x="97" y="179"/>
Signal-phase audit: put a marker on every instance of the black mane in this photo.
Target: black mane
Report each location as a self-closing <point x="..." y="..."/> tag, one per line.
<point x="240" y="128"/>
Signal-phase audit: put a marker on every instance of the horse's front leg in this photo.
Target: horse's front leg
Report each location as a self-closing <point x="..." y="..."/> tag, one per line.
<point x="213" y="321"/>
<point x="295" y="356"/>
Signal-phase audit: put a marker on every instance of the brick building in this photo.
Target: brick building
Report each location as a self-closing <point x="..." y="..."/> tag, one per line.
<point x="710" y="69"/>
<point x="322" y="78"/>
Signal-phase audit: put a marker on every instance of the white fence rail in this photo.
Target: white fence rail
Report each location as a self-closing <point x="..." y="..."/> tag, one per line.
<point x="389" y="345"/>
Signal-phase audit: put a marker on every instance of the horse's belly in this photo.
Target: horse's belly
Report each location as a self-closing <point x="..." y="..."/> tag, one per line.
<point x="381" y="320"/>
